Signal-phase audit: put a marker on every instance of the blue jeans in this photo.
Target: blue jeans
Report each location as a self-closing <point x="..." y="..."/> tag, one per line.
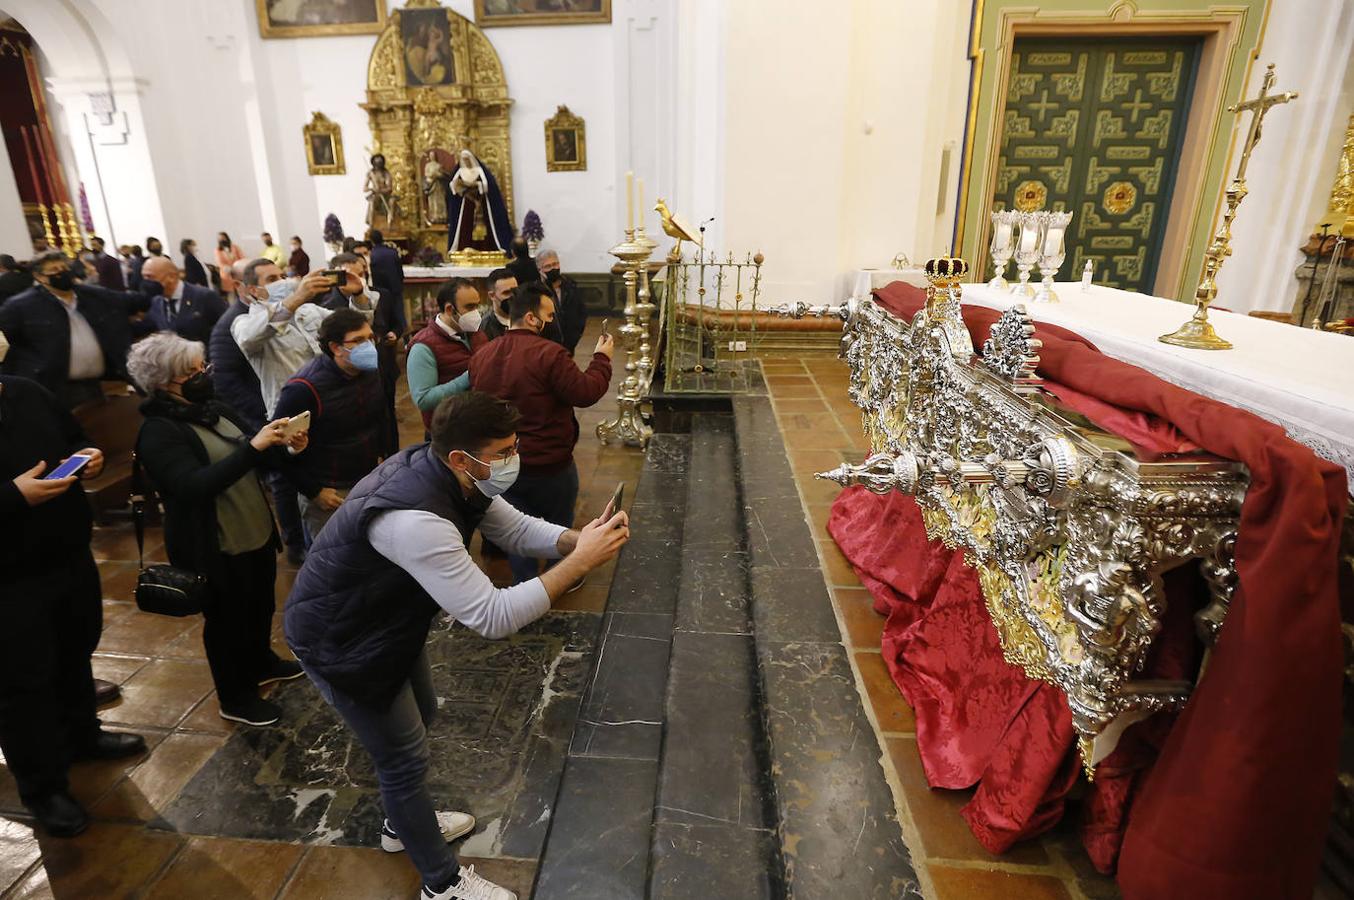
<point x="551" y="497"/>
<point x="397" y="739"/>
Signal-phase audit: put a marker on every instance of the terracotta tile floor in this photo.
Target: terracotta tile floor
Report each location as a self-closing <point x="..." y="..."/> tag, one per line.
<point x="168" y="697"/>
<point x="821" y="428"/>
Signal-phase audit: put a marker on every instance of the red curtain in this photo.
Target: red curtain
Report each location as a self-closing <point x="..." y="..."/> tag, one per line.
<point x="1228" y="799"/>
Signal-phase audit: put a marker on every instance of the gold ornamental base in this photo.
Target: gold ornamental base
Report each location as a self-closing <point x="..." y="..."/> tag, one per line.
<point x="1196" y="334"/>
<point x="478" y="258"/>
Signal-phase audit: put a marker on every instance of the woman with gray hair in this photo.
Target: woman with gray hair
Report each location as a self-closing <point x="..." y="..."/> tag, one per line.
<point x="217" y="523"/>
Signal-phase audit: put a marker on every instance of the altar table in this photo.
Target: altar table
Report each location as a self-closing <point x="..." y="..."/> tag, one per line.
<point x="1300" y="379"/>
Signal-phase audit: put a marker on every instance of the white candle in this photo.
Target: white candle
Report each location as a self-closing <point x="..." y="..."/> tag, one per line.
<point x="640" y="182"/>
<point x="1003" y="234"/>
<point x="1054" y="242"/>
<point x="629" y="201"/>
<point x="1029" y="237"/>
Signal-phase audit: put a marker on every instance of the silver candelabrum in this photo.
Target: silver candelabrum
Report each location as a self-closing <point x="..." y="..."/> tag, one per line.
<point x="629" y="427"/>
<point x="1027" y="249"/>
<point x="1003" y="245"/>
<point x="1052" y="252"/>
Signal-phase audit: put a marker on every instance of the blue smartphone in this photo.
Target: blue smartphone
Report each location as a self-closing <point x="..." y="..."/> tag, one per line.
<point x="69" y="467"/>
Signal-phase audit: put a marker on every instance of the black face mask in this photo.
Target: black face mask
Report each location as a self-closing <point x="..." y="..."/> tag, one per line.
<point x="62" y="281"/>
<point x="152" y="288"/>
<point x="224" y="245"/>
<point x="552" y="277"/>
<point x="198" y="388"/>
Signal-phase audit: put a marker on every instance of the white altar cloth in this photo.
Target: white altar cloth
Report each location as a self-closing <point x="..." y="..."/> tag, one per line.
<point x="867" y="280"/>
<point x="1300" y="379"/>
<point x="448" y="271"/>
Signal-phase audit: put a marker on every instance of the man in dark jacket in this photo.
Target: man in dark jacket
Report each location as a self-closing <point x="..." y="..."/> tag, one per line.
<point x="193" y="270"/>
<point x="570" y="313"/>
<point x="68" y="336"/>
<point x="51" y="612"/>
<point x="522" y="265"/>
<point x="391" y="559"/>
<point x="14" y="278"/>
<point x="539" y="378"/>
<point x="387" y="276"/>
<point x="341" y="390"/>
<point x="108" y="268"/>
<point x="298" y="264"/>
<point x="502" y="283"/>
<point x="186" y="309"/>
<point x="387" y="325"/>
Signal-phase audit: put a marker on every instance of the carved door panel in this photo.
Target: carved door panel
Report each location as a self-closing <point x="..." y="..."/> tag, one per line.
<point x="1095" y="127"/>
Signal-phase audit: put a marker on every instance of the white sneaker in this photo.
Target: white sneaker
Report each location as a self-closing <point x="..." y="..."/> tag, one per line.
<point x="470" y="887"/>
<point x="454" y="824"/>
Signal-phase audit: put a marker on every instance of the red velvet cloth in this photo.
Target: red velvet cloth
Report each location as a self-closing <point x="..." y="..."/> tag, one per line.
<point x="1229" y="800"/>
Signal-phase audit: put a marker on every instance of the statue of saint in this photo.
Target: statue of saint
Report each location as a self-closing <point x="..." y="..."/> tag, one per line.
<point x="477" y="217"/>
<point x="379" y="189"/>
<point x="434" y="190"/>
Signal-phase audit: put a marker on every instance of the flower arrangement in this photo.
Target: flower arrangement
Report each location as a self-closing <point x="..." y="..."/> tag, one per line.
<point x="428" y="256"/>
<point x="531" y="227"/>
<point x="333" y="230"/>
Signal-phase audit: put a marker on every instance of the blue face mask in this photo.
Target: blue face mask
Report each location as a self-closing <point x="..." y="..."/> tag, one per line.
<point x="281" y="290"/>
<point x="502" y="475"/>
<point x="363" y="356"/>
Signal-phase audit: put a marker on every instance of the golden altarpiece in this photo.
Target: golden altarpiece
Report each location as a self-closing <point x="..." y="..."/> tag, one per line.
<point x="435" y="86"/>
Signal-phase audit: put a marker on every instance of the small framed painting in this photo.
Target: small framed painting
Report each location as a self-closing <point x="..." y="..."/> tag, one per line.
<point x="319" y="18"/>
<point x="490" y="13"/>
<point x="566" y="144"/>
<point x="324" y="146"/>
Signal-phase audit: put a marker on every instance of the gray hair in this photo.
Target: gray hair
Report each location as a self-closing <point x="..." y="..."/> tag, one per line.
<point x="159" y="359"/>
<point x="549" y="252"/>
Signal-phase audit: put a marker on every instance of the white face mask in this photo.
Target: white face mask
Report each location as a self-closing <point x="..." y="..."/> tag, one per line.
<point x="4" y="346"/>
<point x="470" y="322"/>
<point x="502" y="475"/>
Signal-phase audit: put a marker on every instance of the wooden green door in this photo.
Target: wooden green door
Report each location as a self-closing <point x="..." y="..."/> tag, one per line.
<point x="1095" y="127"/>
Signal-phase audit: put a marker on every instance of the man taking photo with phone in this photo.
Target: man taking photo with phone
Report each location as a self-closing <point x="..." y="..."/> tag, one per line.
<point x="391" y="558"/>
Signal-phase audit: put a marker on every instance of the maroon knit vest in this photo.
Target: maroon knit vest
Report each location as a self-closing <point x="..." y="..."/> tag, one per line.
<point x="453" y="357"/>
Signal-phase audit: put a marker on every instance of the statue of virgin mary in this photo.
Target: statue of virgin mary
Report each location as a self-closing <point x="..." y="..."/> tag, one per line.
<point x="477" y="217"/>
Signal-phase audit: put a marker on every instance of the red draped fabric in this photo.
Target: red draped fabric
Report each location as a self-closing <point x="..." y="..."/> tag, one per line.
<point x="1228" y="799"/>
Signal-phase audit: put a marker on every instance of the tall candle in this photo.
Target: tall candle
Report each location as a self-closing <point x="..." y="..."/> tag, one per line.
<point x="1003" y="234"/>
<point x="640" y="182"/>
<point x="1054" y="242"/>
<point x="629" y="201"/>
<point x="1029" y="237"/>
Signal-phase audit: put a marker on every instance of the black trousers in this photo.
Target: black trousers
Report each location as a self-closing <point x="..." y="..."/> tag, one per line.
<point x="551" y="497"/>
<point x="286" y="501"/>
<point x="238" y="623"/>
<point x="50" y="623"/>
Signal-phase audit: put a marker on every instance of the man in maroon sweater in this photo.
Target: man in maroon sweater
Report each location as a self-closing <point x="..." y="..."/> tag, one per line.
<point x="539" y="377"/>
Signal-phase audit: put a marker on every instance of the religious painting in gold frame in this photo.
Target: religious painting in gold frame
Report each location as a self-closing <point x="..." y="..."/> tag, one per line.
<point x="324" y="145"/>
<point x="492" y="13"/>
<point x="319" y="18"/>
<point x="566" y="143"/>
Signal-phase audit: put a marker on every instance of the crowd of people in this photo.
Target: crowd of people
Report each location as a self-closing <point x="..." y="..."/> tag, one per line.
<point x="269" y="427"/>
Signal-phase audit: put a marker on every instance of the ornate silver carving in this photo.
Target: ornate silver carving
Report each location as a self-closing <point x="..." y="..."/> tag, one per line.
<point x="1068" y="528"/>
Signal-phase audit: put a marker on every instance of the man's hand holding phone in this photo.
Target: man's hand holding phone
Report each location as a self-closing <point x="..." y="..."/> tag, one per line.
<point x="606" y="345"/>
<point x="37" y="490"/>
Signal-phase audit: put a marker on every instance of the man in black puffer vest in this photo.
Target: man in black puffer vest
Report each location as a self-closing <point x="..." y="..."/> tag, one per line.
<point x="390" y="559"/>
<point x="341" y="389"/>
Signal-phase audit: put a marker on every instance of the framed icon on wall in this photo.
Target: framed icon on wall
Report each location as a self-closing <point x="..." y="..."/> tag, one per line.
<point x="566" y="145"/>
<point x="324" y="145"/>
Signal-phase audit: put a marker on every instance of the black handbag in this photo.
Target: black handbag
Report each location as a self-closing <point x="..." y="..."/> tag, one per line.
<point x="161" y="589"/>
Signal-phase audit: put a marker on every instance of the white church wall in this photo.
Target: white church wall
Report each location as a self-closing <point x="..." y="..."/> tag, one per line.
<point x="13" y="228"/>
<point x="833" y="142"/>
<point x="1311" y="43"/>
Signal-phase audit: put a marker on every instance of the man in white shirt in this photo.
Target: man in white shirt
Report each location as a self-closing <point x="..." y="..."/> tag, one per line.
<point x="385" y="565"/>
<point x="277" y="335"/>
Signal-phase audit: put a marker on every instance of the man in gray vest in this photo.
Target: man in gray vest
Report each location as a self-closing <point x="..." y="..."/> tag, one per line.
<point x="393" y="557"/>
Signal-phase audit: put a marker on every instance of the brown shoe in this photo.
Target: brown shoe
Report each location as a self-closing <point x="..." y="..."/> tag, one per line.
<point x="105" y="692"/>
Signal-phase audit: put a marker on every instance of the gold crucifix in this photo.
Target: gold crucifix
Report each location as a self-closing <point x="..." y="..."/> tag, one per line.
<point x="1258" y="107"/>
<point x="1198" y="333"/>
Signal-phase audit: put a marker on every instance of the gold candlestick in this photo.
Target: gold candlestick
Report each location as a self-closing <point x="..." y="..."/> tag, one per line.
<point x="47" y="228"/>
<point x="1198" y="333"/>
<point x="629" y="426"/>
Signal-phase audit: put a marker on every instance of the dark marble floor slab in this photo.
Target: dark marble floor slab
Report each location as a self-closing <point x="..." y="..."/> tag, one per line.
<point x="598" y="847"/>
<point x="792" y="604"/>
<point x="713" y="762"/>
<point x="713" y="594"/>
<point x="622" y="712"/>
<point x="506" y="713"/>
<point x="838" y="827"/>
<point x="713" y="861"/>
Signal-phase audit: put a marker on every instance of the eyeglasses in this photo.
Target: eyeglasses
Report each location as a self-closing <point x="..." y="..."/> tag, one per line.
<point x="497" y="457"/>
<point x="354" y="342"/>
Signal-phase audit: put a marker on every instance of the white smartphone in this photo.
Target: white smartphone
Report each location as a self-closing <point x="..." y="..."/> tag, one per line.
<point x="297" y="424"/>
<point x="70" y="467"/>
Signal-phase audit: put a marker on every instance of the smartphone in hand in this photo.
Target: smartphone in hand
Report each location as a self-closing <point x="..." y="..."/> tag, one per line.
<point x="614" y="504"/>
<point x="296" y="424"/>
<point x="68" y="468"/>
<point x="604" y="324"/>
